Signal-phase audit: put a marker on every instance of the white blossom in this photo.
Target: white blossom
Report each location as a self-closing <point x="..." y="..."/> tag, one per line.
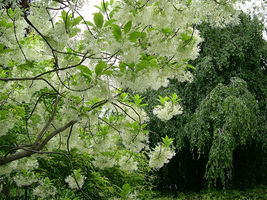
<point x="127" y="163"/>
<point x="167" y="111"/>
<point x="72" y="183"/>
<point x="160" y="156"/>
<point x="25" y="179"/>
<point x="103" y="162"/>
<point x="44" y="190"/>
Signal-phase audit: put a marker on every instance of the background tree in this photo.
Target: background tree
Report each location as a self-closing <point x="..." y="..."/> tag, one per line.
<point x="234" y="51"/>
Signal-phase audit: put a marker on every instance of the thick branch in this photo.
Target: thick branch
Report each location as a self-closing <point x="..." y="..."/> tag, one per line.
<point x="35" y="147"/>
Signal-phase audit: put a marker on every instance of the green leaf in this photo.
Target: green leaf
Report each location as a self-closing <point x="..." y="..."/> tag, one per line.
<point x="28" y="65"/>
<point x="85" y="71"/>
<point x="74" y="32"/>
<point x="98" y="19"/>
<point x="122" y="67"/>
<point x="100" y="9"/>
<point x="112" y="13"/>
<point x="2" y="46"/>
<point x="190" y="66"/>
<point x="9" y="25"/>
<point x="63" y="14"/>
<point x="108" y="72"/>
<point x="126" y="189"/>
<point x="100" y="67"/>
<point x="142" y="65"/>
<point x="174" y="96"/>
<point x="104" y="6"/>
<point x="185" y="37"/>
<point x="133" y="36"/>
<point x="89" y="23"/>
<point x="76" y="21"/>
<point x="188" y="2"/>
<point x="143" y="35"/>
<point x="167" y="141"/>
<point x="109" y="22"/>
<point x="163" y="100"/>
<point x="4" y="23"/>
<point x="166" y="30"/>
<point x="124" y="95"/>
<point x="66" y="19"/>
<point x="11" y="13"/>
<point x="116" y="31"/>
<point x="127" y="27"/>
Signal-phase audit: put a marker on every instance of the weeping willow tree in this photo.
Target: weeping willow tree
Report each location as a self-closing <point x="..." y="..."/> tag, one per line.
<point x="225" y="120"/>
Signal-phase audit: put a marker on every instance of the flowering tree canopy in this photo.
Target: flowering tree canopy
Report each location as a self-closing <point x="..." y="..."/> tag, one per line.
<point x="64" y="81"/>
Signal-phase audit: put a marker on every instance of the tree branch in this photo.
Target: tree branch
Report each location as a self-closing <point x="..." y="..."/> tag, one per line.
<point x="35" y="148"/>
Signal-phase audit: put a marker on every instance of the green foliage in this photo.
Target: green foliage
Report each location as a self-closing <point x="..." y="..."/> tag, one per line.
<point x="99" y="184"/>
<point x="226" y="119"/>
<point x="221" y="133"/>
<point x="167" y="141"/>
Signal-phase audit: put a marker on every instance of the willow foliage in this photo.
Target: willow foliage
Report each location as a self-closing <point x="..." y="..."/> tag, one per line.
<point x="222" y="122"/>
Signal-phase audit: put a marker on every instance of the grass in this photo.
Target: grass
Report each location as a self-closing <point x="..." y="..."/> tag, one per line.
<point x="257" y="193"/>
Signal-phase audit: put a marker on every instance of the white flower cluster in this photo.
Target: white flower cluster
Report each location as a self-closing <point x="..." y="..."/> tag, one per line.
<point x="7" y="124"/>
<point x="127" y="163"/>
<point x="29" y="163"/>
<point x="136" y="113"/>
<point x="160" y="156"/>
<point x="4" y="3"/>
<point x="8" y="168"/>
<point x="44" y="190"/>
<point x="71" y="180"/>
<point x="143" y="80"/>
<point x="167" y="111"/>
<point x="24" y="163"/>
<point x="103" y="162"/>
<point x="25" y="179"/>
<point x="134" y="141"/>
<point x="104" y="144"/>
<point x="153" y="78"/>
<point x="131" y="196"/>
<point x="183" y="76"/>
